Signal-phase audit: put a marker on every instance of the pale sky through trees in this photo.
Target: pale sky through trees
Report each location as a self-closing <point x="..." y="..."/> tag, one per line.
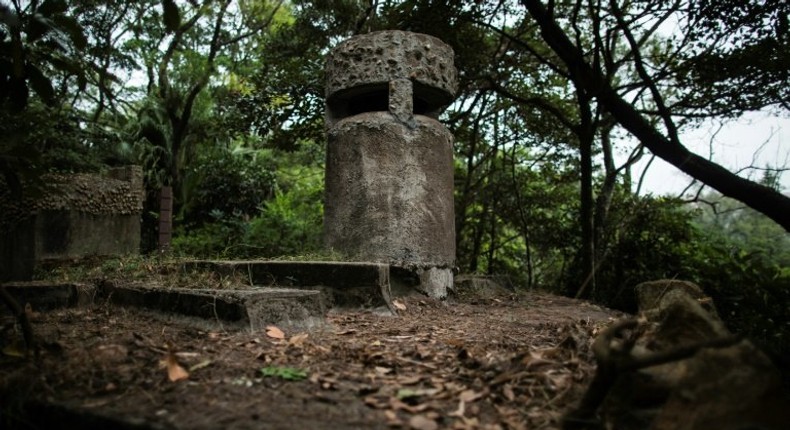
<point x="757" y="139"/>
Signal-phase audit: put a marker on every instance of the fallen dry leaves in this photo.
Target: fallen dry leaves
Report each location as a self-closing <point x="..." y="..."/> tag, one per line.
<point x="495" y="365"/>
<point x="274" y="332"/>
<point x="450" y="375"/>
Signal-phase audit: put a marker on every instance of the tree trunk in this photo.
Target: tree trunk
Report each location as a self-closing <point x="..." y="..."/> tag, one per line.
<point x="586" y="135"/>
<point x="763" y="199"/>
<point x="604" y="200"/>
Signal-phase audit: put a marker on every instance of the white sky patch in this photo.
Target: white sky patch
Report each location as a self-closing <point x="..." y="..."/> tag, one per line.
<point x="757" y="139"/>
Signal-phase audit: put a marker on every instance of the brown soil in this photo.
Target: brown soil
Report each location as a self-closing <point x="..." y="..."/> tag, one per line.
<point x="489" y="362"/>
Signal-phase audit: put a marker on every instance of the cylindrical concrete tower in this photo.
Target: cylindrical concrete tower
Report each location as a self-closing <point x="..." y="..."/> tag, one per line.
<point x="389" y="167"/>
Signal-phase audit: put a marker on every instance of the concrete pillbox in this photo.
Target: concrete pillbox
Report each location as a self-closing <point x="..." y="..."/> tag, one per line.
<point x="389" y="171"/>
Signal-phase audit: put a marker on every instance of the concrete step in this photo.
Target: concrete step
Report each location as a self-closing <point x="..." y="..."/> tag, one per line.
<point x="249" y="308"/>
<point x="243" y="308"/>
<point x="343" y="284"/>
<point x="44" y="296"/>
<point x="284" y="293"/>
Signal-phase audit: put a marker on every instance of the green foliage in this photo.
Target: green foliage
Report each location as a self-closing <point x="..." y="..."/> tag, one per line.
<point x="239" y="208"/>
<point x="286" y="373"/>
<point x="651" y="238"/>
<point x="226" y="183"/>
<point x="751" y="293"/>
<point x="728" y="221"/>
<point x="744" y="264"/>
<point x="738" y="57"/>
<point x="37" y="41"/>
<point x="211" y="240"/>
<point x="291" y="222"/>
<point x="46" y="139"/>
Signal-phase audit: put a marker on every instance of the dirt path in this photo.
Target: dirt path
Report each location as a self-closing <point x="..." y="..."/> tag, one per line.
<point x="480" y="362"/>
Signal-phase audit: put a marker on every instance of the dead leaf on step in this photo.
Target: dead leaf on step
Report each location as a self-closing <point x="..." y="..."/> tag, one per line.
<point x="507" y="391"/>
<point x="420" y="422"/>
<point x="174" y="370"/>
<point x="274" y="332"/>
<point x="381" y="370"/>
<point x="409" y="380"/>
<point x="399" y="305"/>
<point x="375" y="402"/>
<point x="397" y="405"/>
<point x="460" y="411"/>
<point x="112" y="353"/>
<point x="392" y="419"/>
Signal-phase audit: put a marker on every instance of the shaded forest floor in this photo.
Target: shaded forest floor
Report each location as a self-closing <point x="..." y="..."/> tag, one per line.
<point x="488" y="361"/>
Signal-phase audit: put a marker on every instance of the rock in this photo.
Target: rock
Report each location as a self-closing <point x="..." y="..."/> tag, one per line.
<point x="648" y="294"/>
<point x="683" y="370"/>
<point x="726" y="388"/>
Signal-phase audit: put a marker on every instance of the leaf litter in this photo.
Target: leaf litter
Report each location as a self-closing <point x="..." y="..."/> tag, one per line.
<point x="509" y="362"/>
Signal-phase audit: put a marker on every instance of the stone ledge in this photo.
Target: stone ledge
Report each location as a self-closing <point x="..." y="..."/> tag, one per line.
<point x="344" y="284"/>
<point x="253" y="308"/>
<point x="44" y="296"/>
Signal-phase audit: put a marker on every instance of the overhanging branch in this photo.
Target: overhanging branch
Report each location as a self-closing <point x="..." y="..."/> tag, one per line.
<point x="761" y="198"/>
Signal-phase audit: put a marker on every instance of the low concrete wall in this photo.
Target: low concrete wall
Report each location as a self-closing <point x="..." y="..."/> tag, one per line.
<point x="72" y="234"/>
<point x="76" y="216"/>
<point x="18" y="251"/>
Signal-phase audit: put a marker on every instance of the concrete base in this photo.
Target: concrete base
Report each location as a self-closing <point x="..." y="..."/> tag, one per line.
<point x="284" y="293"/>
<point x="252" y="308"/>
<point x="435" y="282"/>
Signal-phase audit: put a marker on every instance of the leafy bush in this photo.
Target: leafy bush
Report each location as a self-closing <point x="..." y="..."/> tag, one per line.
<point x="648" y="238"/>
<point x="751" y="293"/>
<point x="227" y="183"/>
<point x="233" y="216"/>
<point x="211" y="240"/>
<point x="291" y="222"/>
<point x="742" y="262"/>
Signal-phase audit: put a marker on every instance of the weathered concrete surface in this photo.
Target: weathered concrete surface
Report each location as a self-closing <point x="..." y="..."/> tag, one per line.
<point x="364" y="66"/>
<point x="75" y="216"/>
<point x="44" y="296"/>
<point x="390" y="191"/>
<point x="649" y="294"/>
<point x="248" y="308"/>
<point x="343" y="284"/>
<point x="285" y="293"/>
<point x="253" y="308"/>
<point x="389" y="169"/>
<point x="65" y="235"/>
